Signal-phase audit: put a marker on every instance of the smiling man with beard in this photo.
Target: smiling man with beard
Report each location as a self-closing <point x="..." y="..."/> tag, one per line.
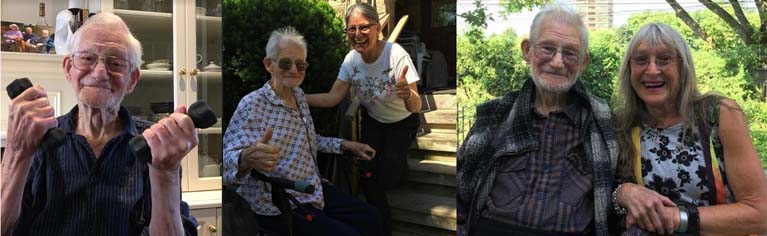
<point x="540" y="161"/>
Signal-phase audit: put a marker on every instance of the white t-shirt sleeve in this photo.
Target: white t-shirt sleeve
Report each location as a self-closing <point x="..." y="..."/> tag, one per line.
<point x="344" y="74"/>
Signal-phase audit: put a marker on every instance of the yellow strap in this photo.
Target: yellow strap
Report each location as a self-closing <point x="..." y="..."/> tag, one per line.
<point x="718" y="181"/>
<point x="637" y="155"/>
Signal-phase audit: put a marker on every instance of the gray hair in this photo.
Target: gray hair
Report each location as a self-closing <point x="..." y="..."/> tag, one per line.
<point x="630" y="110"/>
<point x="368" y="11"/>
<point x="563" y="14"/>
<point x="110" y="22"/>
<point x="284" y="34"/>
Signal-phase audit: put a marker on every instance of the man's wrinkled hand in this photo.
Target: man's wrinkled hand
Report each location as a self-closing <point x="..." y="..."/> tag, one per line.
<point x="261" y="156"/>
<point x="361" y="150"/>
<point x="30" y="116"/>
<point x="170" y="139"/>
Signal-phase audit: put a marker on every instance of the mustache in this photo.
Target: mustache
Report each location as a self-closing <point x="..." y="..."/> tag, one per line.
<point x="562" y="72"/>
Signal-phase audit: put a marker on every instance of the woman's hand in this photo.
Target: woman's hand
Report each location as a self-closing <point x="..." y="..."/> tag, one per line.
<point x="403" y="89"/>
<point x="646" y="208"/>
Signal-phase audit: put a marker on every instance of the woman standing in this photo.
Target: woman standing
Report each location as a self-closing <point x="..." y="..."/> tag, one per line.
<point x="384" y="78"/>
<point x="687" y="157"/>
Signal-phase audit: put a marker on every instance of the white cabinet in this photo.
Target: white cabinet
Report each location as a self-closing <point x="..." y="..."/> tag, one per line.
<point x="185" y="37"/>
<point x="206" y="208"/>
<point x="185" y="34"/>
<point x="208" y="221"/>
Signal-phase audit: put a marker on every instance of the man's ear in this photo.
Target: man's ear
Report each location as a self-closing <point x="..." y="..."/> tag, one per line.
<point x="525" y="46"/>
<point x="133" y="80"/>
<point x="586" y="60"/>
<point x="268" y="64"/>
<point x="67" y="66"/>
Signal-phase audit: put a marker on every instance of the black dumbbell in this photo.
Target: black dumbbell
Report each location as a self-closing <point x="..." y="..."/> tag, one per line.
<point x="54" y="137"/>
<point x="202" y="117"/>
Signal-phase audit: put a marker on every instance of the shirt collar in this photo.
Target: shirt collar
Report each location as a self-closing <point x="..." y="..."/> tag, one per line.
<point x="272" y="97"/>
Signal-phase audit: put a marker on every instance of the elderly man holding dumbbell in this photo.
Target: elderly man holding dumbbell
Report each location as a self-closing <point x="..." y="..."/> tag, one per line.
<point x="90" y="182"/>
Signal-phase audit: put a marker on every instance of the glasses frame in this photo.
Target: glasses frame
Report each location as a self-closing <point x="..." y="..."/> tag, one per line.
<point x="559" y="50"/>
<point x="282" y="62"/>
<point x="101" y="58"/>
<point x="642" y="65"/>
<point x="359" y="28"/>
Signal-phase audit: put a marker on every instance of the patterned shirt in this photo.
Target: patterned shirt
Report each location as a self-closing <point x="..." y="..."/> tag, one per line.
<point x="550" y="188"/>
<point x="676" y="167"/>
<point x="80" y="194"/>
<point x="375" y="82"/>
<point x="293" y="133"/>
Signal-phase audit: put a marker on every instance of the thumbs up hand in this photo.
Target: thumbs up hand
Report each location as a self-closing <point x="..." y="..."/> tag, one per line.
<point x="261" y="156"/>
<point x="403" y="89"/>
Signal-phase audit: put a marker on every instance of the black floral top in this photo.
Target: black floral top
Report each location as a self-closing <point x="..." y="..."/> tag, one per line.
<point x="674" y="164"/>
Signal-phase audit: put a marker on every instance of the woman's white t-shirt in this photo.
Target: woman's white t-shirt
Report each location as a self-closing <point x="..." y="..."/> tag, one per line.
<point x="375" y="82"/>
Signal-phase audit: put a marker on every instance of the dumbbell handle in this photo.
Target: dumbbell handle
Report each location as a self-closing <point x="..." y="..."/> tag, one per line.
<point x="202" y="116"/>
<point x="54" y="137"/>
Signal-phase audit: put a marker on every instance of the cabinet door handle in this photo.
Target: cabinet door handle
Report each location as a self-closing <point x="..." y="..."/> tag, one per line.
<point x="193" y="72"/>
<point x="181" y="72"/>
<point x="212" y="228"/>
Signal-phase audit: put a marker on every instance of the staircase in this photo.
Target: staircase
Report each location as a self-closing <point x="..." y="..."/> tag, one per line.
<point x="425" y="205"/>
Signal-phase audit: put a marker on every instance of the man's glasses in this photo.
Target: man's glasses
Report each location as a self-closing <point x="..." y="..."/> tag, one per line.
<point x="361" y="28"/>
<point x="661" y="61"/>
<point x="547" y="52"/>
<point x="286" y="64"/>
<point x="86" y="61"/>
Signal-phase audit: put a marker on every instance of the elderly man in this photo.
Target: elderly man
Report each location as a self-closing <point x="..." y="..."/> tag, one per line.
<point x="92" y="184"/>
<point x="540" y="160"/>
<point x="272" y="131"/>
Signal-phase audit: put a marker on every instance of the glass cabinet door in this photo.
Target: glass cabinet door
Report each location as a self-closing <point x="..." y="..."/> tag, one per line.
<point x="182" y="57"/>
<point x="205" y="172"/>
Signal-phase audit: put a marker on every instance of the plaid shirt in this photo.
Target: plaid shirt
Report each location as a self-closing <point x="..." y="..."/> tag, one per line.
<point x="548" y="189"/>
<point x="504" y="127"/>
<point x="293" y="133"/>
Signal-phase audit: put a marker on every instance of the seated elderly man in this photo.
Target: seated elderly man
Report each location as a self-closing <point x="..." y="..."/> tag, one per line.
<point x="92" y="184"/>
<point x="272" y="132"/>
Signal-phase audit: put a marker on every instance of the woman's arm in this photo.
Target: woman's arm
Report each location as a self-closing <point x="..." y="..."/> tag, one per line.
<point x="748" y="215"/>
<point x="330" y="99"/>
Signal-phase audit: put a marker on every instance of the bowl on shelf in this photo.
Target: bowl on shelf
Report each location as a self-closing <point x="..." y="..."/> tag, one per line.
<point x="212" y="67"/>
<point x="158" y="66"/>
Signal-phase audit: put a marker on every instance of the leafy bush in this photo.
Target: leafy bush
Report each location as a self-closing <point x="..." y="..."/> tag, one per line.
<point x="248" y="25"/>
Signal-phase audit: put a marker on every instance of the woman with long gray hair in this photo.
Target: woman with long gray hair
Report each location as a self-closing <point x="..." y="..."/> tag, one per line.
<point x="687" y="161"/>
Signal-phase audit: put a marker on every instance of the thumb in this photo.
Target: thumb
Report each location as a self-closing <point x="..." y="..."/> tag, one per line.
<point x="267" y="136"/>
<point x="180" y="109"/>
<point x="402" y="75"/>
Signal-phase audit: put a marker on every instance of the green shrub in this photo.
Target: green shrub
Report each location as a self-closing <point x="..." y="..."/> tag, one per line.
<point x="247" y="27"/>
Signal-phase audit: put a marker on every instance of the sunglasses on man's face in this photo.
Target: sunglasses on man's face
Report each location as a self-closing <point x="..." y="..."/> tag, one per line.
<point x="286" y="64"/>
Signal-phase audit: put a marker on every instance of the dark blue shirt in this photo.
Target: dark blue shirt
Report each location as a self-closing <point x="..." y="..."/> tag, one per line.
<point x="73" y="192"/>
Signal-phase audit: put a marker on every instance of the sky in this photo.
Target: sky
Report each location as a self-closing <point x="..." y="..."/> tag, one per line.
<point x="622" y="9"/>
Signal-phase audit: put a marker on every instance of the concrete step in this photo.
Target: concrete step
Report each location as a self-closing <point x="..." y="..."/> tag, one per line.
<point x="431" y="155"/>
<point x="423" y="209"/>
<point x="431" y="102"/>
<point x="441" y="116"/>
<point x="432" y="166"/>
<point x="440" y="128"/>
<point x="436" y="142"/>
<point x="410" y="229"/>
<point x="431" y="178"/>
<point x="431" y="189"/>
